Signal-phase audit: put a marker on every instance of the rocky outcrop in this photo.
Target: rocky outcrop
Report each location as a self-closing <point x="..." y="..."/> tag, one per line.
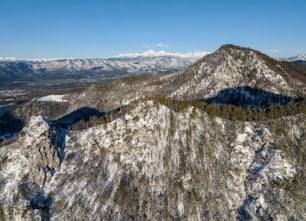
<point x="45" y="144"/>
<point x="157" y="164"/>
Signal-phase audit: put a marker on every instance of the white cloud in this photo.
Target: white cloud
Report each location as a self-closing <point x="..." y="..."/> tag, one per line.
<point x="161" y="45"/>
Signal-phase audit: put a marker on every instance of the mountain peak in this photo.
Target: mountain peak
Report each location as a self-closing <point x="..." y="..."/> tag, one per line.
<point x="232" y="46"/>
<point x="233" y="67"/>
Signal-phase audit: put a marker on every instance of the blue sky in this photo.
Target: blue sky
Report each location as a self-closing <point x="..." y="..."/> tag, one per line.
<point x="102" y="28"/>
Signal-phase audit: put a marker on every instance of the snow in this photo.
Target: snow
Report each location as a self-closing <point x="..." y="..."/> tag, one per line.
<point x="180" y="205"/>
<point x="218" y="73"/>
<point x="134" y="64"/>
<point x="52" y="98"/>
<point x="149" y="61"/>
<point x="241" y="138"/>
<point x="36" y="127"/>
<point x="298" y="57"/>
<point x="152" y="53"/>
<point x="148" y="53"/>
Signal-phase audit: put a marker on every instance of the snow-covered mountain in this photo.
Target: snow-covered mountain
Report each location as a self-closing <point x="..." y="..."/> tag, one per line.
<point x="301" y="57"/>
<point x="147" y="62"/>
<point x="151" y="53"/>
<point x="237" y="70"/>
<point x="135" y="65"/>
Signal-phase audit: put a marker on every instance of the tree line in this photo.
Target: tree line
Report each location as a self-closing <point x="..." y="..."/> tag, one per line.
<point x="232" y="112"/>
<point x="226" y="111"/>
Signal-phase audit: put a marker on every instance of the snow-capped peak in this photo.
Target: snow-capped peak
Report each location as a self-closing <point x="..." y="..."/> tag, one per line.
<point x="301" y="57"/>
<point x="152" y="53"/>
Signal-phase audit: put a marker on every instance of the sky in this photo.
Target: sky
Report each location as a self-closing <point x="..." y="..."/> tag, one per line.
<point x="103" y="28"/>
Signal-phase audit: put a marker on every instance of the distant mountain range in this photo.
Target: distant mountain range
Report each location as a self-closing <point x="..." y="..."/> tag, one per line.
<point x="124" y="64"/>
<point x="149" y="62"/>
<point x="299" y="59"/>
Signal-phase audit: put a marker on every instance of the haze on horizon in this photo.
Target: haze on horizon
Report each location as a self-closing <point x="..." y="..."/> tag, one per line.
<point x="88" y="29"/>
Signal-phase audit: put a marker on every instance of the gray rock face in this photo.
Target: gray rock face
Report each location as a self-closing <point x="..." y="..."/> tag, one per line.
<point x="157" y="164"/>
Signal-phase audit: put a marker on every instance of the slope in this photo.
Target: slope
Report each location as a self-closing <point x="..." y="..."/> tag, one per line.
<point x="233" y="67"/>
<point x="154" y="163"/>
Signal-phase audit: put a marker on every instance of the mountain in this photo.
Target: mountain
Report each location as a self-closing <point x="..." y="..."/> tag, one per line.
<point x="222" y="140"/>
<point x="15" y="70"/>
<point x="299" y="59"/>
<point x="125" y="64"/>
<point x="136" y="64"/>
<point x="233" y="67"/>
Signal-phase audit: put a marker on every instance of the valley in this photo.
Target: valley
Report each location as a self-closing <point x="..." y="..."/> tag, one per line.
<point x="23" y="80"/>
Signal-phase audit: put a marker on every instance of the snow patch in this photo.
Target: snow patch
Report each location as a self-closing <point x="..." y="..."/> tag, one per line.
<point x="52" y="98"/>
<point x="241" y="138"/>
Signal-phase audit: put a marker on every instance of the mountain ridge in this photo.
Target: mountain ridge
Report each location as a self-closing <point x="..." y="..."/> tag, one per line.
<point x="74" y="64"/>
<point x="96" y="68"/>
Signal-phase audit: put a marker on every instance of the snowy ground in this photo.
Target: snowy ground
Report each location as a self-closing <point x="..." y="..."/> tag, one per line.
<point x="52" y="98"/>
